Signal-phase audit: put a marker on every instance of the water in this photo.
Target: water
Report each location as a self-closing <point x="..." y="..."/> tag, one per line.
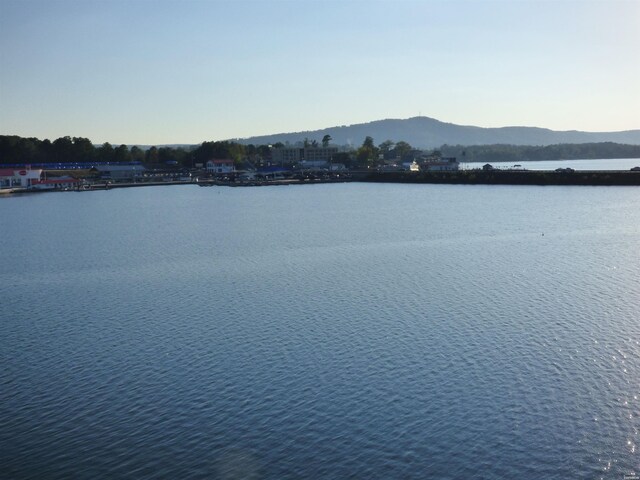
<point x="324" y="331"/>
<point x="623" y="164"/>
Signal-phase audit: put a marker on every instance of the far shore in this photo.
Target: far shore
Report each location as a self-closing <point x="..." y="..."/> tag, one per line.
<point x="460" y="177"/>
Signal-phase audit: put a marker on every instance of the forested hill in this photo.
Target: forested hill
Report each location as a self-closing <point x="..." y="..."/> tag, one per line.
<point x="424" y="132"/>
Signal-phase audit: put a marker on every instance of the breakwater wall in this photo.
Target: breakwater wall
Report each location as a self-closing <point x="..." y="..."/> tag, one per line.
<point x="508" y="177"/>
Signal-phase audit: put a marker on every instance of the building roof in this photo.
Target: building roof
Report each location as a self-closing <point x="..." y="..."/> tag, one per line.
<point x="220" y="162"/>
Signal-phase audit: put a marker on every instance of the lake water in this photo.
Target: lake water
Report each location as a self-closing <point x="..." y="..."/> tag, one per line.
<point x="326" y="331"/>
<point x="595" y="164"/>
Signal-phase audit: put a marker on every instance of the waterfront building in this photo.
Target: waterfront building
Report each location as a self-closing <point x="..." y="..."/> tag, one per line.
<point x="220" y="166"/>
<point x="288" y="155"/>
<point x="120" y="172"/>
<point x="444" y="164"/>
<point x="19" y="177"/>
<point x="57" y="183"/>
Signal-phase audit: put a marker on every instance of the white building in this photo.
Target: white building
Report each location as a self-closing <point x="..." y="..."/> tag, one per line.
<point x="442" y="165"/>
<point x="19" y="177"/>
<point x="220" y="166"/>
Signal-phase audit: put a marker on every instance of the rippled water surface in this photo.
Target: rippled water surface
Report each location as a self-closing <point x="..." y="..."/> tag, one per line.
<point x="327" y="331"/>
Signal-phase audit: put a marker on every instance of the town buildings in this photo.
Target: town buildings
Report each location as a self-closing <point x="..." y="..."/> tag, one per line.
<point x="292" y="155"/>
<point x="220" y="166"/>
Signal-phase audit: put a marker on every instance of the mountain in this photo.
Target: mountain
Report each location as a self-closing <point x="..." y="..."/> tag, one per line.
<point x="425" y="132"/>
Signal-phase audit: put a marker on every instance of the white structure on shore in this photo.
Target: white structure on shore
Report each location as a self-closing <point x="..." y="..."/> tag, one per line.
<point x="441" y="165"/>
<point x="20" y="177"/>
<point x="220" y="166"/>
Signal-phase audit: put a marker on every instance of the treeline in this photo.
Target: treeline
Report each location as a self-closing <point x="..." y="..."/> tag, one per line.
<point x="522" y="153"/>
<point x="19" y="150"/>
<point x="15" y="149"/>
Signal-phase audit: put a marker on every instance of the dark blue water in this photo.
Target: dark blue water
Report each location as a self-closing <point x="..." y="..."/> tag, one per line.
<point x="327" y="331"/>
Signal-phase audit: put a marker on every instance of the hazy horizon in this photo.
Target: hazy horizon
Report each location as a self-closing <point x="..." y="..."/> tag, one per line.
<point x="172" y="72"/>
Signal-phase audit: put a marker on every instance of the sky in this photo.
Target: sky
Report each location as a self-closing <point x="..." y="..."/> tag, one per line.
<point x="170" y="72"/>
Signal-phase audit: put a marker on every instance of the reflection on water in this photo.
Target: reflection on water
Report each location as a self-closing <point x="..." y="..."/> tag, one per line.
<point x="326" y="331"/>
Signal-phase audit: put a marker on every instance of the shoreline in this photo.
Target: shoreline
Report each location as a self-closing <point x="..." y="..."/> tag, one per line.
<point x="459" y="177"/>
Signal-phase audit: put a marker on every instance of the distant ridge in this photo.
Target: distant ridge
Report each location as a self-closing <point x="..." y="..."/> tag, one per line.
<point x="425" y="132"/>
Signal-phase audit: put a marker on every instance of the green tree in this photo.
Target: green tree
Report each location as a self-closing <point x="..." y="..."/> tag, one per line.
<point x="402" y="150"/>
<point x="121" y="154"/>
<point x="62" y="149"/>
<point x="386" y="147"/>
<point x="105" y="153"/>
<point x="235" y="152"/>
<point x="325" y="140"/>
<point x="137" y="154"/>
<point x="151" y="156"/>
<point x="83" y="150"/>
<point x="367" y="153"/>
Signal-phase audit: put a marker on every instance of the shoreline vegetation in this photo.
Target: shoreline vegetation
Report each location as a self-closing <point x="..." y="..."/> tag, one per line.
<point x="69" y="150"/>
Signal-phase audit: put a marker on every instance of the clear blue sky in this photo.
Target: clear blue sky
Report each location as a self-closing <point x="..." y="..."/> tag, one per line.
<point x="159" y="72"/>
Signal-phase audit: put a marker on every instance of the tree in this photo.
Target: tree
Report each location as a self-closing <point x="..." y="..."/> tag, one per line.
<point x="151" y="156"/>
<point x="402" y="149"/>
<point x="137" y="154"/>
<point x="368" y="143"/>
<point x="45" y="148"/>
<point x="63" y="149"/>
<point x="264" y="151"/>
<point x="385" y="147"/>
<point x="105" y="153"/>
<point x="26" y="151"/>
<point x="325" y="140"/>
<point x="367" y="153"/>
<point x="83" y="150"/>
<point x="121" y="154"/>
<point x="235" y="151"/>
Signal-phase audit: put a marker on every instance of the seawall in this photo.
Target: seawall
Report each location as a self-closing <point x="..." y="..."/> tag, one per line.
<point x="508" y="177"/>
